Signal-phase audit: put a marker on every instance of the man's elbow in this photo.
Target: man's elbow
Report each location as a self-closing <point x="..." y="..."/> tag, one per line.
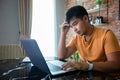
<point x="60" y="57"/>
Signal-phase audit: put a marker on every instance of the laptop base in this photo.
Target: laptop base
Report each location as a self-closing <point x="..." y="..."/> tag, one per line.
<point x="36" y="73"/>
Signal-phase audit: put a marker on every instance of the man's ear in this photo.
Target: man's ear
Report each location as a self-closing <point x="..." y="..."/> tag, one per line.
<point x="85" y="18"/>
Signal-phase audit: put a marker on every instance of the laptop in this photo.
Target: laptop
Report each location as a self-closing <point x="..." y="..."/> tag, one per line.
<point x="52" y="67"/>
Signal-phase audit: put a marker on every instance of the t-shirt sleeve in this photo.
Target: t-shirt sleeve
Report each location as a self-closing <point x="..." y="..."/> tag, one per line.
<point x="72" y="43"/>
<point x="111" y="43"/>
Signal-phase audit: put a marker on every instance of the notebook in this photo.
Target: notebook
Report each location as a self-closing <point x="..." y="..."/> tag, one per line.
<point x="52" y="67"/>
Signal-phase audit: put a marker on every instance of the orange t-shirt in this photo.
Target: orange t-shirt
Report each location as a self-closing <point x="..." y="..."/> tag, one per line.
<point x="102" y="42"/>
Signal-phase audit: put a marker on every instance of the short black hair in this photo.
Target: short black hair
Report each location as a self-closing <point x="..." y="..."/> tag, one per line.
<point x="76" y="11"/>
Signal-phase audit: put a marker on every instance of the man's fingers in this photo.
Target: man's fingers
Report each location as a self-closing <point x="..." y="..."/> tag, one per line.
<point x="68" y="66"/>
<point x="65" y="24"/>
<point x="65" y="65"/>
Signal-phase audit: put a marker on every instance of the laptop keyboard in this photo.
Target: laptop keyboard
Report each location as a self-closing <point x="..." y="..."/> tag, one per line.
<point x="53" y="67"/>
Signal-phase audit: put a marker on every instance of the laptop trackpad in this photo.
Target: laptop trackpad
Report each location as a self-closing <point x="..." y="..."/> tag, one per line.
<point x="55" y="65"/>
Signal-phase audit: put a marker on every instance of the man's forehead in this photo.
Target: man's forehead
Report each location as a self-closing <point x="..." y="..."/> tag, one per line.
<point x="73" y="19"/>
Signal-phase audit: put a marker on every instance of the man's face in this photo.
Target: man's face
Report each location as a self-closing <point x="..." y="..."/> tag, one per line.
<point x="79" y="25"/>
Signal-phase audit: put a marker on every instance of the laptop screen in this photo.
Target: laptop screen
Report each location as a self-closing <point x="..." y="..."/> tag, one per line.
<point x="35" y="55"/>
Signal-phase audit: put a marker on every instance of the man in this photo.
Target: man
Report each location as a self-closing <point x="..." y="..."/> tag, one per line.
<point x="97" y="46"/>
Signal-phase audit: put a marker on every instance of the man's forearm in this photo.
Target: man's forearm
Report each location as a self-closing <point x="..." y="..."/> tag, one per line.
<point x="109" y="66"/>
<point x="62" y="46"/>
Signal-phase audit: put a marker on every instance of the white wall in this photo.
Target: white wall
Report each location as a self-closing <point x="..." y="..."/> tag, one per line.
<point x="60" y="14"/>
<point x="9" y="29"/>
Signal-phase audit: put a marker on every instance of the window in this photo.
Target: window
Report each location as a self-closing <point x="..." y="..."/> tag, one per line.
<point x="43" y="26"/>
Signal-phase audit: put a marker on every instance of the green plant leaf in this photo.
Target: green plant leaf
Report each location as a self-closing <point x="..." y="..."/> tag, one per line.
<point x="98" y="2"/>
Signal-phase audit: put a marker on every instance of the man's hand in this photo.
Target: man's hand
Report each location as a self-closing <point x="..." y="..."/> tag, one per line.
<point x="75" y="66"/>
<point x="65" y="27"/>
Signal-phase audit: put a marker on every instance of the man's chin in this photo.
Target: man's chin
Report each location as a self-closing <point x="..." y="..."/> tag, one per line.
<point x="79" y="34"/>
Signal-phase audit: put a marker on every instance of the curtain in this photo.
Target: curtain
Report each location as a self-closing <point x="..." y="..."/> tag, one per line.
<point x="25" y="18"/>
